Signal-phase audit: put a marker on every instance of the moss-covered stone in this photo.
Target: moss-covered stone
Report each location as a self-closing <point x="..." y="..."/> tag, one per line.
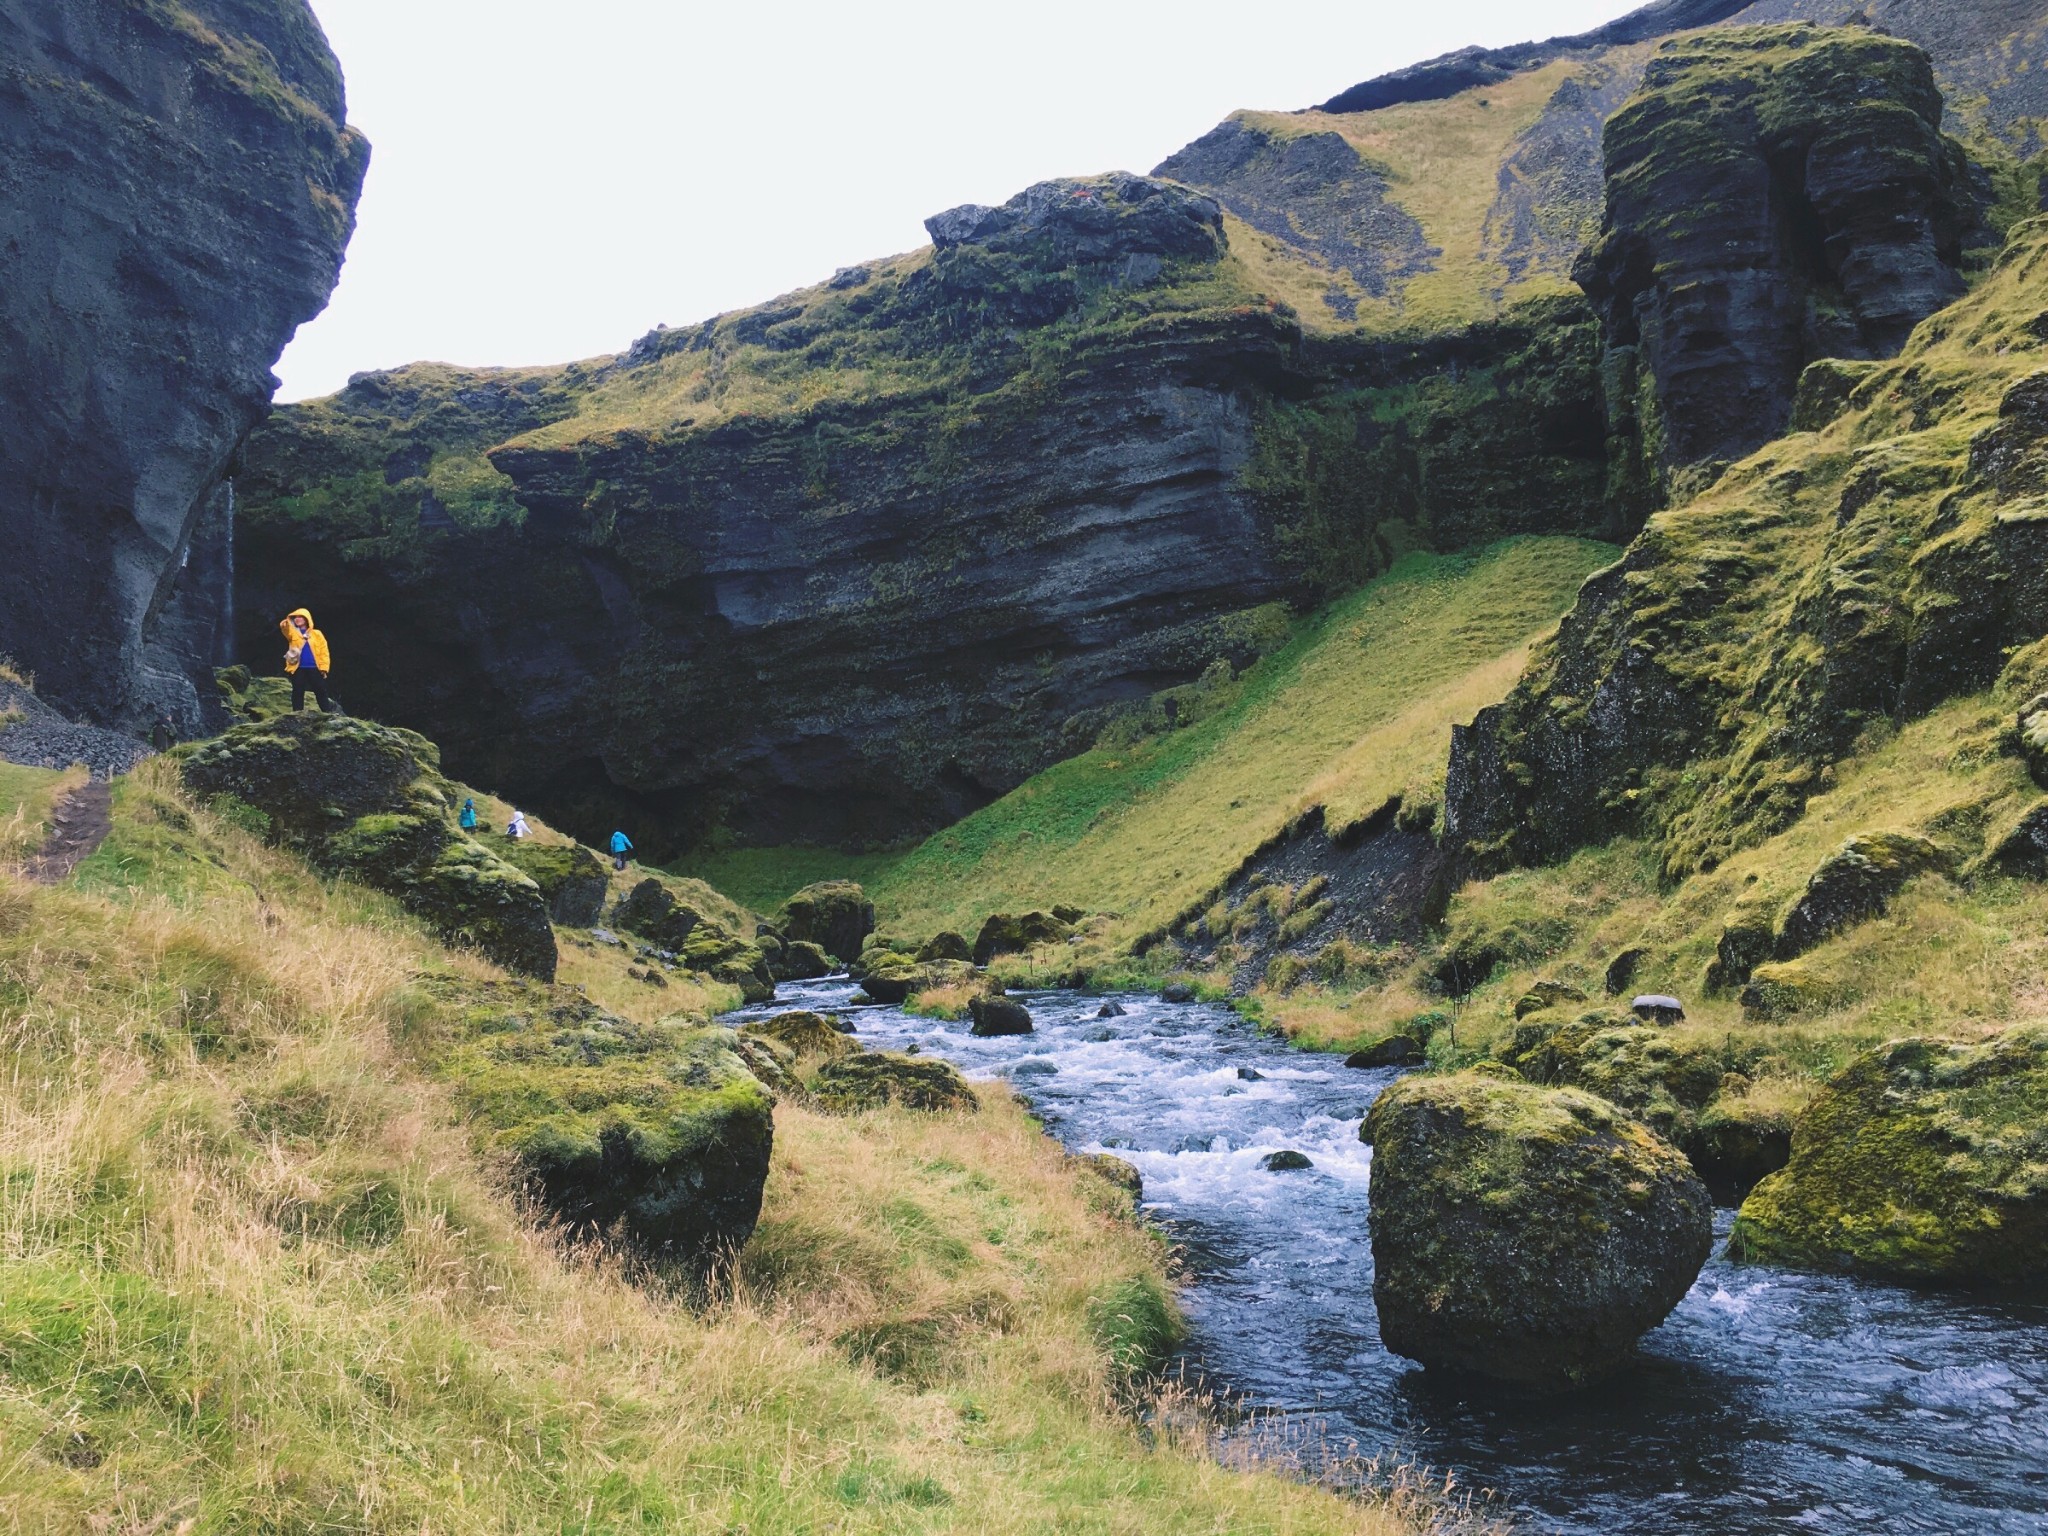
<point x="658" y="1131"/>
<point x="653" y="911"/>
<point x="896" y="977"/>
<point x="2032" y="738"/>
<point x="569" y="875"/>
<point x="836" y="915"/>
<point x="945" y="946"/>
<point x="999" y="1016"/>
<point x="1523" y="1233"/>
<point x="368" y="802"/>
<point x="1014" y="934"/>
<point x="880" y="1079"/>
<point x="1922" y="1161"/>
<point x="1737" y="1142"/>
<point x="805" y="1034"/>
<point x="800" y="960"/>
<point x="1643" y="1069"/>
<point x="1853" y="885"/>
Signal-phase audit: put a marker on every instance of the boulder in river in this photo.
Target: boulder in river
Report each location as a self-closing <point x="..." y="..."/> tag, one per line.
<point x="1177" y="992"/>
<point x="805" y="1034"/>
<point x="999" y="1016"/>
<point x="1286" y="1161"/>
<point x="878" y="1079"/>
<point x="945" y="946"/>
<point x="800" y="960"/>
<point x="1110" y="1010"/>
<point x="836" y="915"/>
<point x="1922" y="1161"/>
<point x="1526" y="1234"/>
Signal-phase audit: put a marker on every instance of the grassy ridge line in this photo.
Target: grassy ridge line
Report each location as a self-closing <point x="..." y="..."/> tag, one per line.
<point x="1358" y="706"/>
<point x="254" y="1277"/>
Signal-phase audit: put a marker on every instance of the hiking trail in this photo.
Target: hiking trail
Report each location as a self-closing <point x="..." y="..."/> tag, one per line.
<point x="78" y="826"/>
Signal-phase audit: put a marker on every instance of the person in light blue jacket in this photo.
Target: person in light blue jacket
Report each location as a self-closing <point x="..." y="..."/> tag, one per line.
<point x="621" y="846"/>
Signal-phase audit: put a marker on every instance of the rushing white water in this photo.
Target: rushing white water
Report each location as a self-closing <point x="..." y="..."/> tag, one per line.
<point x="1768" y="1402"/>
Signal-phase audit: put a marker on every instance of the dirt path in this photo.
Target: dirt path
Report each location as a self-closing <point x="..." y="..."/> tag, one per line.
<point x="79" y="825"/>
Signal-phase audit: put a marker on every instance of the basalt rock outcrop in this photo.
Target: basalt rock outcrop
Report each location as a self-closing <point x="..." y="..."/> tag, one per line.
<point x="178" y="189"/>
<point x="1774" y="195"/>
<point x="1527" y="1234"/>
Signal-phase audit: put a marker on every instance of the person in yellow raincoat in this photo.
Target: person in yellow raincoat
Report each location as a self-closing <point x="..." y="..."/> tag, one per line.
<point x="306" y="660"/>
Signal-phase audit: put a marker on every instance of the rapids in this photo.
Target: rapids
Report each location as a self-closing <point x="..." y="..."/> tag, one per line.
<point x="1768" y="1402"/>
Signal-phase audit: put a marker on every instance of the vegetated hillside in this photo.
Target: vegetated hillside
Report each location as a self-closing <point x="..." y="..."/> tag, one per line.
<point x="846" y="567"/>
<point x="179" y="186"/>
<point x="260" y="1269"/>
<point x="1358" y="706"/>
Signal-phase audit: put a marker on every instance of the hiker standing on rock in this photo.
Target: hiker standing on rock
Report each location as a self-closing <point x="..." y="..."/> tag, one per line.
<point x="621" y="846"/>
<point x="305" y="660"/>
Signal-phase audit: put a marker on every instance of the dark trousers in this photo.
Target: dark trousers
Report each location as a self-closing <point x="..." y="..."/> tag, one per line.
<point x="306" y="678"/>
<point x="618" y="861"/>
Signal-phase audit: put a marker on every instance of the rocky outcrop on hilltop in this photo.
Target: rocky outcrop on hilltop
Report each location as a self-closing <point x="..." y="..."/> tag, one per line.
<point x="1774" y="195"/>
<point x="179" y="187"/>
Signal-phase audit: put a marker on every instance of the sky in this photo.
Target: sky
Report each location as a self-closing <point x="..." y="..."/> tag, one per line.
<point x="549" y="181"/>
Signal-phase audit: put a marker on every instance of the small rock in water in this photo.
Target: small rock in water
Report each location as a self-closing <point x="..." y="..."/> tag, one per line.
<point x="1250" y="1075"/>
<point x="1110" y="1010"/>
<point x="1658" y="1009"/>
<point x="1289" y="1161"/>
<point x="1099" y="1036"/>
<point x="1177" y="992"/>
<point x="1034" y="1066"/>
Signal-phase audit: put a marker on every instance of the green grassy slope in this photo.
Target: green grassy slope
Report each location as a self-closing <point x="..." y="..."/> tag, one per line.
<point x="1358" y="706"/>
<point x="256" y="1276"/>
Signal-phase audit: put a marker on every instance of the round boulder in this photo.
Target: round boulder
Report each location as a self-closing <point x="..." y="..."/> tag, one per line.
<point x="836" y="915"/>
<point x="1286" y="1161"/>
<point x="1527" y="1234"/>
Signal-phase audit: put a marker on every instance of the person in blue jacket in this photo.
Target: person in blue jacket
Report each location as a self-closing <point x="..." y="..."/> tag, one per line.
<point x="621" y="846"/>
<point x="467" y="820"/>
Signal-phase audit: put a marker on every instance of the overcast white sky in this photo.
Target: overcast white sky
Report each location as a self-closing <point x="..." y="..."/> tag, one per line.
<point x="550" y="181"/>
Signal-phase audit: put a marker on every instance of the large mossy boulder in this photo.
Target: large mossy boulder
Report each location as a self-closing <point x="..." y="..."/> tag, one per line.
<point x="654" y="912"/>
<point x="659" y="1132"/>
<point x="698" y="940"/>
<point x="1527" y="1234"/>
<point x="1015" y="934"/>
<point x="835" y="915"/>
<point x="805" y="1034"/>
<point x="1923" y="1161"/>
<point x="799" y="960"/>
<point x="569" y="875"/>
<point x="1663" y="1080"/>
<point x="894" y="979"/>
<point x="999" y="1016"/>
<point x="880" y="1079"/>
<point x="368" y="803"/>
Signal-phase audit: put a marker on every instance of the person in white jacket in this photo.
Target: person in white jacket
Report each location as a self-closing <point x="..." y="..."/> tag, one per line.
<point x="517" y="828"/>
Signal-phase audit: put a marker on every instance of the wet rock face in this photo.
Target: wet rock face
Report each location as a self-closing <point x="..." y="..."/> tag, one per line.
<point x="179" y="187"/>
<point x="1921" y="1162"/>
<point x="1774" y="195"/>
<point x="1527" y="1234"/>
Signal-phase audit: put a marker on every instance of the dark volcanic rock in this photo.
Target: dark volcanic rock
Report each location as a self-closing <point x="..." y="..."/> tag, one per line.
<point x="999" y="1016"/>
<point x="177" y="191"/>
<point x="1773" y="195"/>
<point x="1853" y="885"/>
<point x="1522" y="1233"/>
<point x="1013" y="934"/>
<point x="1394" y="1051"/>
<point x="569" y="875"/>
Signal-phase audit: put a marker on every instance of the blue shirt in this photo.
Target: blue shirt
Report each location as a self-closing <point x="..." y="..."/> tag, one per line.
<point x="621" y="843"/>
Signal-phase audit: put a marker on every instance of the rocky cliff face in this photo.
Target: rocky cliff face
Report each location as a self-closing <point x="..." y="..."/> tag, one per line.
<point x="1774" y="195"/>
<point x="177" y="192"/>
<point x="1096" y="467"/>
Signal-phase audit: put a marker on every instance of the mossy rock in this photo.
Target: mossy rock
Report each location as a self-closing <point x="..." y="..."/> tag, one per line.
<point x="2033" y="738"/>
<point x="836" y="915"/>
<point x="1116" y="1171"/>
<point x="881" y="1079"/>
<point x="1922" y="1161"/>
<point x="1853" y="885"/>
<point x="999" y="1016"/>
<point x="1781" y="989"/>
<point x="1547" y="994"/>
<point x="1015" y="934"/>
<point x="895" y="981"/>
<point x="1824" y="390"/>
<point x="799" y="960"/>
<point x="1634" y="1065"/>
<point x="569" y="875"/>
<point x="1393" y="1051"/>
<point x="805" y="1034"/>
<point x="660" y="1132"/>
<point x="1527" y="1234"/>
<point x="367" y="802"/>
<point x="2021" y="846"/>
<point x="654" y="912"/>
<point x="881" y="950"/>
<point x="945" y="946"/>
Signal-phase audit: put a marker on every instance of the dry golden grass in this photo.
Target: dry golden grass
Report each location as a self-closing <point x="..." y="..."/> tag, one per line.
<point x="254" y="1276"/>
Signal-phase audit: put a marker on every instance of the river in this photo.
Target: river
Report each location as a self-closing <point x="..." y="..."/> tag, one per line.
<point x="1768" y="1402"/>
